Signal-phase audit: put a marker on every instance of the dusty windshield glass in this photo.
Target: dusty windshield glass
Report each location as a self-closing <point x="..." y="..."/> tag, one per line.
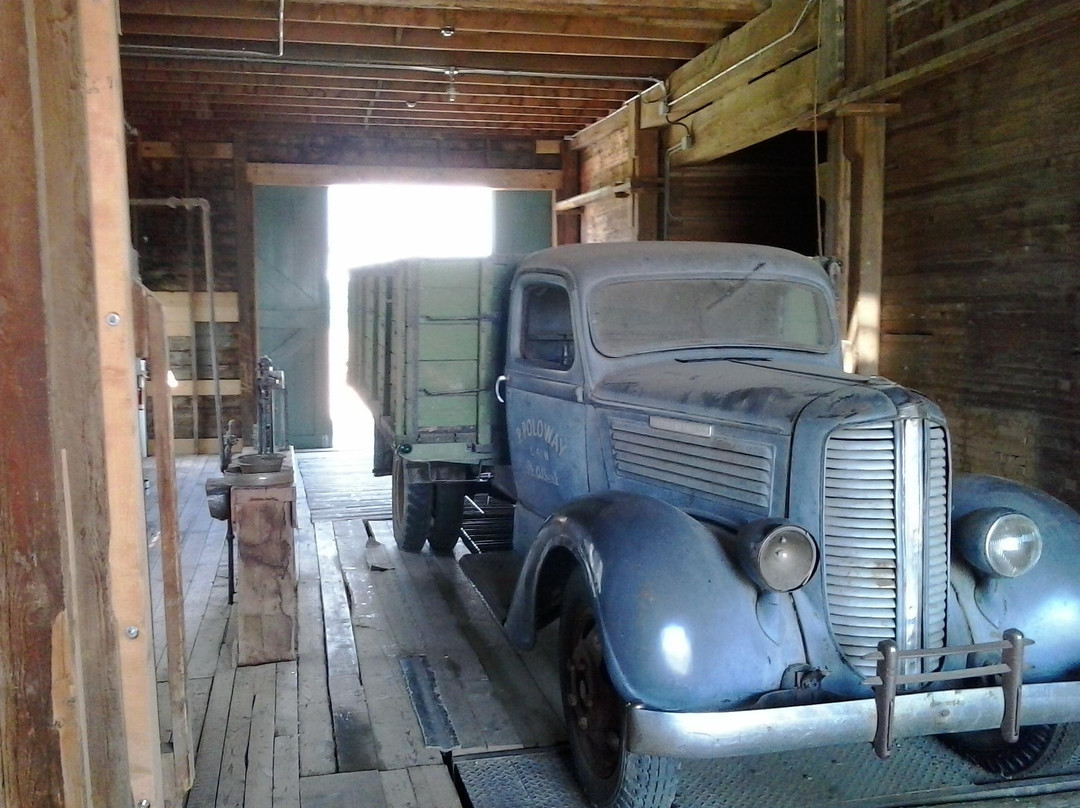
<point x="632" y="317"/>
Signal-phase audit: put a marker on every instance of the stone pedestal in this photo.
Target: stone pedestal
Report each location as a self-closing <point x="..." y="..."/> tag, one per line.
<point x="264" y="524"/>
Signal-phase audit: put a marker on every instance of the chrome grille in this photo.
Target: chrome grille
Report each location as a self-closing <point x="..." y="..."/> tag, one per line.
<point x="936" y="587"/>
<point x="886" y="537"/>
<point x="860" y="539"/>
<point x="739" y="471"/>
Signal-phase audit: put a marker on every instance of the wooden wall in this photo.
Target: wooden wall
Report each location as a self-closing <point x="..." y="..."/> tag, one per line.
<point x="761" y="195"/>
<point x="982" y="260"/>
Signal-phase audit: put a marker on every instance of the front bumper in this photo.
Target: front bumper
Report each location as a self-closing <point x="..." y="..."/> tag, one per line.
<point x="780" y="729"/>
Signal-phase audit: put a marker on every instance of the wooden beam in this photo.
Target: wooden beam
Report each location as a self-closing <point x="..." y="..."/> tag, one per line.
<point x="702" y="28"/>
<point x="136" y="66"/>
<point x="619" y="190"/>
<point x="520" y="179"/>
<point x="150" y="93"/>
<point x="787" y="30"/>
<point x="110" y="227"/>
<point x="600" y="66"/>
<point x="776" y="103"/>
<point x="316" y="33"/>
<point x="602" y="129"/>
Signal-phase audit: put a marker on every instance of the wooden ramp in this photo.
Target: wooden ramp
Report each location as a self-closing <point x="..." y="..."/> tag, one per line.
<point x="391" y="648"/>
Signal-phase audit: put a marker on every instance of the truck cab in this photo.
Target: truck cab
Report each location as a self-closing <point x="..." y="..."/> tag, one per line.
<point x="728" y="524"/>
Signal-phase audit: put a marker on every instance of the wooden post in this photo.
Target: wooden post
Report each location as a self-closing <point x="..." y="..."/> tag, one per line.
<point x="568" y="224"/>
<point x="62" y="735"/>
<point x="865" y="135"/>
<point x="111" y="299"/>
<point x="248" y="334"/>
<point x="645" y="167"/>
<point x="855" y="176"/>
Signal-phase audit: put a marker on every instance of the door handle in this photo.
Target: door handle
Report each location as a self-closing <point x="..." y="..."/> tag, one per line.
<point x="500" y="396"/>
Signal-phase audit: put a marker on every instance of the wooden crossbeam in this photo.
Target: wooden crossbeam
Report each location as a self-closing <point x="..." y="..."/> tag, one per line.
<point x="571" y="65"/>
<point x="787" y="30"/>
<point x="247" y="30"/>
<point x="678" y="25"/>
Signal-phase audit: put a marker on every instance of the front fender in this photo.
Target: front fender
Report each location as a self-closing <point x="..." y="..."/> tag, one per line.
<point x="1044" y="603"/>
<point x="683" y="629"/>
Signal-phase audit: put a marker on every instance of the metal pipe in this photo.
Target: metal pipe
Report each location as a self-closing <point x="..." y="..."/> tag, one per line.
<point x="189" y="203"/>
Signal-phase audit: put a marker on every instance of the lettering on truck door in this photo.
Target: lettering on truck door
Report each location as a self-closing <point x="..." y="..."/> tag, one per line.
<point x="545" y="416"/>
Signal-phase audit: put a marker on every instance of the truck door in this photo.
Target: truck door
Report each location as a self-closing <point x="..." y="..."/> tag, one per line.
<point x="544" y="410"/>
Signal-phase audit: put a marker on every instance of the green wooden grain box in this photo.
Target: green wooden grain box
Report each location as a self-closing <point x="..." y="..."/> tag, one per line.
<point x="426" y="343"/>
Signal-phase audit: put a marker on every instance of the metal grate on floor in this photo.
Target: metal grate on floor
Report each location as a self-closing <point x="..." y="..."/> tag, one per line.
<point x="921" y="772"/>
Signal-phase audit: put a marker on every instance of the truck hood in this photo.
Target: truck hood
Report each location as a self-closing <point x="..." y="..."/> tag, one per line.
<point x="758" y="392"/>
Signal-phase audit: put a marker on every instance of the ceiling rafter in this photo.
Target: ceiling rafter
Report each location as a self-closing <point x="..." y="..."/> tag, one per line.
<point x="514" y="68"/>
<point x="421" y="38"/>
<point x="703" y="28"/>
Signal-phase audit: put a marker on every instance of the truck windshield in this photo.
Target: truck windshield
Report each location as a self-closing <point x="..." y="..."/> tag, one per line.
<point x="642" y="316"/>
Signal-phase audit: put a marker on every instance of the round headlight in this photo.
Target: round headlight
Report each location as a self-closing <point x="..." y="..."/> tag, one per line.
<point x="999" y="541"/>
<point x="777" y="556"/>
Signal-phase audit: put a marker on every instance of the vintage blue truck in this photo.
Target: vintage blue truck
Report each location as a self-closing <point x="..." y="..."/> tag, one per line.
<point x="749" y="550"/>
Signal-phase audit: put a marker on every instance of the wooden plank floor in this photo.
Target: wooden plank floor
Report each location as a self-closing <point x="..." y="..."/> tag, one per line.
<point x="338" y="727"/>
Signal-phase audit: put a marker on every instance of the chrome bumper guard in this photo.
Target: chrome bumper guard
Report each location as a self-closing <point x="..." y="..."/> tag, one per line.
<point x="878" y="720"/>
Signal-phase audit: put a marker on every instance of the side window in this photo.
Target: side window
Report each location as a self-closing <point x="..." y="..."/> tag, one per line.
<point x="547" y="338"/>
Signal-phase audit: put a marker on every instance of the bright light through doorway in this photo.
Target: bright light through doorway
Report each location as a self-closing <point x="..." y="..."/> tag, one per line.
<point x="371" y="224"/>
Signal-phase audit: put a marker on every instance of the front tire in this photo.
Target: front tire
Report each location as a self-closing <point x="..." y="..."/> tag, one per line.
<point x="1041" y="750"/>
<point x="611" y="776"/>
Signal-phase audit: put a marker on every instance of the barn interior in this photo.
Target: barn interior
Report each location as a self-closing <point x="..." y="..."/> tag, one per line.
<point x="165" y="173"/>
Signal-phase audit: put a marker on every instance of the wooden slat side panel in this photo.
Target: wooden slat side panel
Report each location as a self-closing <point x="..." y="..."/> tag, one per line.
<point x="980" y="289"/>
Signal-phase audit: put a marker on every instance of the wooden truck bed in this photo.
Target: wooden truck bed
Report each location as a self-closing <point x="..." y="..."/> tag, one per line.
<point x="426" y="343"/>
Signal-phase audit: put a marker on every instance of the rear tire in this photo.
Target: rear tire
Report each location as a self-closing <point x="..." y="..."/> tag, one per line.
<point x="611" y="776"/>
<point x="447" y="511"/>
<point x="412" y="507"/>
<point x="1046" y="749"/>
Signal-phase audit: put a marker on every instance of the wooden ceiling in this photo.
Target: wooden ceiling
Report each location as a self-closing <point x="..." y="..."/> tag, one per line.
<point x="537" y="68"/>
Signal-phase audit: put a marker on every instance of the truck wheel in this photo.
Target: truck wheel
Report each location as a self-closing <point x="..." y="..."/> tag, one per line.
<point x="449" y="505"/>
<point x="1042" y="750"/>
<point x="611" y="776"/>
<point x="412" y="504"/>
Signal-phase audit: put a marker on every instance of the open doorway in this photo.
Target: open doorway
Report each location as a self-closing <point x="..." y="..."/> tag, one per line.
<point x="372" y="224"/>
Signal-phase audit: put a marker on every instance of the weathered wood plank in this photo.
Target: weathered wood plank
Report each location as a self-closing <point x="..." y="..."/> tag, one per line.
<point x="286" y="772"/>
<point x="208" y="756"/>
<point x="382" y="637"/>
<point x="183" y="763"/>
<point x="232" y="780"/>
<point x="259" y="777"/>
<point x="776" y="103"/>
<point x="317" y="751"/>
<point x="433" y="787"/>
<point x="99" y="83"/>
<point x="346" y="790"/>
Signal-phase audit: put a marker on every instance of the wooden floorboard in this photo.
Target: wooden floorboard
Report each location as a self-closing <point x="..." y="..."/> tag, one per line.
<point x="338" y="726"/>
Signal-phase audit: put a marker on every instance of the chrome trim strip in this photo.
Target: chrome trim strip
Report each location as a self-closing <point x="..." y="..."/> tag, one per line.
<point x="780" y="729"/>
<point x="910" y="516"/>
